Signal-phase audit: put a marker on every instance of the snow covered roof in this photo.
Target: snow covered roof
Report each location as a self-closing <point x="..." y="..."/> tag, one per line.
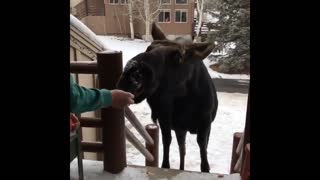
<point x="86" y="31"/>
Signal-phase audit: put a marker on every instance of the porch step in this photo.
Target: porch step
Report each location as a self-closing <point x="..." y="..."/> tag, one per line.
<point x="93" y="170"/>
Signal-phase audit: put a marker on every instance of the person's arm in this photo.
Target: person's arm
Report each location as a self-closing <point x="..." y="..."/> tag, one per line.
<point x="87" y="99"/>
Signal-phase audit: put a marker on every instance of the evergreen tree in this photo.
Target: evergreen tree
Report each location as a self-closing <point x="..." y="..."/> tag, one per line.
<point x="233" y="36"/>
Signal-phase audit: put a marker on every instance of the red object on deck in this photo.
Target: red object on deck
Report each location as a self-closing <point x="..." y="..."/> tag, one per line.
<point x="73" y="122"/>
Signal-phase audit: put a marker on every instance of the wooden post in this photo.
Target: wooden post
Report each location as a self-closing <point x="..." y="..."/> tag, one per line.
<point x="153" y="131"/>
<point x="246" y="129"/>
<point x="113" y="137"/>
<point x="235" y="156"/>
<point x="80" y="154"/>
<point x="245" y="174"/>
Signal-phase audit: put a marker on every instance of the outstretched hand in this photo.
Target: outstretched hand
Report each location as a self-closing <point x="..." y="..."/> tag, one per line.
<point x="121" y="98"/>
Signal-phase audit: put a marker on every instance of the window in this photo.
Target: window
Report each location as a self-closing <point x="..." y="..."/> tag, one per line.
<point x="164" y="16"/>
<point x="124" y="1"/>
<point x="181" y="1"/>
<point x="114" y="1"/>
<point x="181" y="16"/>
<point x="165" y="1"/>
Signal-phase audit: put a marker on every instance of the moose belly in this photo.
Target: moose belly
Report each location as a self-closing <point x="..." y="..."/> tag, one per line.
<point x="184" y="117"/>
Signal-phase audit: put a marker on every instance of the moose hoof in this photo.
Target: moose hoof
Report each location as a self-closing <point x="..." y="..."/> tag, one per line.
<point x="205" y="168"/>
<point x="165" y="165"/>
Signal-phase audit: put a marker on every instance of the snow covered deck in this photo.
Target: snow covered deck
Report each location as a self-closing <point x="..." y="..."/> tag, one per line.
<point x="93" y="170"/>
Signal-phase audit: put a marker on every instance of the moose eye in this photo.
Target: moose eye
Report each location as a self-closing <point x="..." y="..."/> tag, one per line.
<point x="136" y="76"/>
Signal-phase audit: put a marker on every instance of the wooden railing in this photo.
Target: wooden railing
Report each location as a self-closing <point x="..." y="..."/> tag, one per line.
<point x="109" y="68"/>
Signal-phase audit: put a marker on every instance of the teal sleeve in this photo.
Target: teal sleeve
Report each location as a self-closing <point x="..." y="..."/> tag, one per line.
<point x="87" y="99"/>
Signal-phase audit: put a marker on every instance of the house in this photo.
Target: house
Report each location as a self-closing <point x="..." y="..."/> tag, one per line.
<point x="110" y="17"/>
<point x="84" y="47"/>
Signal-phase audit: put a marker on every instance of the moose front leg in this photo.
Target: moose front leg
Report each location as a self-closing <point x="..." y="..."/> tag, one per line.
<point x="181" y="138"/>
<point x="166" y="141"/>
<point x="202" y="139"/>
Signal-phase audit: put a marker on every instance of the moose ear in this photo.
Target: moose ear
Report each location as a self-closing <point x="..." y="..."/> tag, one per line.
<point x="156" y="32"/>
<point x="199" y="51"/>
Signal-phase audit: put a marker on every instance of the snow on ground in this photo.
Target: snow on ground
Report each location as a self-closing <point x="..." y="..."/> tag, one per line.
<point x="93" y="170"/>
<point x="215" y="74"/>
<point x="230" y="118"/>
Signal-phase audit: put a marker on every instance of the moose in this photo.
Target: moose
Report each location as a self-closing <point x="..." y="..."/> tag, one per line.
<point x="171" y="76"/>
